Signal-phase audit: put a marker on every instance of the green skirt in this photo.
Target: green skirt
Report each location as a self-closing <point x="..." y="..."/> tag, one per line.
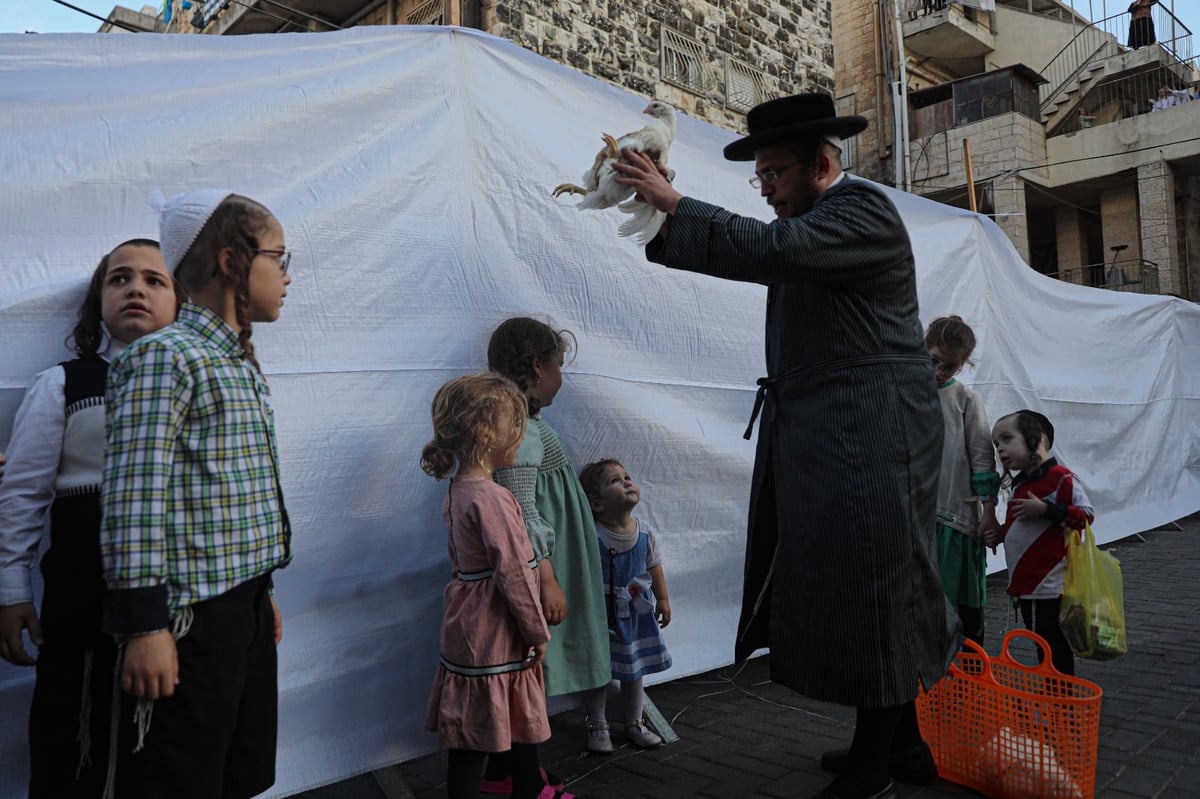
<point x="964" y="567"/>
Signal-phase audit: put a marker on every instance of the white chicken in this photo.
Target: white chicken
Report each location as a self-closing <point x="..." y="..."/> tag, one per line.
<point x="600" y="188"/>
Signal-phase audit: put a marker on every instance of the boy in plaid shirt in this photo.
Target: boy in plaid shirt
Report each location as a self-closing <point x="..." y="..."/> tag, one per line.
<point x="194" y="522"/>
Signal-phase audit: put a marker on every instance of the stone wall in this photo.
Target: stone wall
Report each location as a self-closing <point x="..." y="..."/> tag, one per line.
<point x="858" y="75"/>
<point x="1119" y="218"/>
<point x="1159" y="225"/>
<point x="998" y="144"/>
<point x="1071" y="245"/>
<point x="789" y="42"/>
<point x="773" y="47"/>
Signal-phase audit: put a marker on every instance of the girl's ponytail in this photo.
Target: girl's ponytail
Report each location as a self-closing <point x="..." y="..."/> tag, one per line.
<point x="436" y="460"/>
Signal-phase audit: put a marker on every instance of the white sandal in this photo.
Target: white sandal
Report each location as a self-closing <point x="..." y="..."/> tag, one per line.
<point x="599" y="740"/>
<point x="641" y="735"/>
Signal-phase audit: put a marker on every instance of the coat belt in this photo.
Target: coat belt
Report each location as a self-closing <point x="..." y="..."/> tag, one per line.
<point x="766" y="384"/>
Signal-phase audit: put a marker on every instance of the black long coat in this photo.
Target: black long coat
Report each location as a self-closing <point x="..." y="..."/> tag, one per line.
<point x="842" y="579"/>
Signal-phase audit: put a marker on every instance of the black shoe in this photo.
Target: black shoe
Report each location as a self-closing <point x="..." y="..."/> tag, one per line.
<point x="914" y="765"/>
<point x="841" y="789"/>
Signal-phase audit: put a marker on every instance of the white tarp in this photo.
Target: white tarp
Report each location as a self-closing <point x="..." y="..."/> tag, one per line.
<point x="411" y="168"/>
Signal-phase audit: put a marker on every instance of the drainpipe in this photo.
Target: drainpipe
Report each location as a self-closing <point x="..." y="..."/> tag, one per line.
<point x="390" y="19"/>
<point x="900" y="108"/>
<point x="877" y="12"/>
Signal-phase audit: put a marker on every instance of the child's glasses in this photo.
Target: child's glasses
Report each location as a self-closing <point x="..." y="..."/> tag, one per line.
<point x="283" y="256"/>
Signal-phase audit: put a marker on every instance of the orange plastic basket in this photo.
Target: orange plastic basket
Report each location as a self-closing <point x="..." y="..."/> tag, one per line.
<point x="1012" y="731"/>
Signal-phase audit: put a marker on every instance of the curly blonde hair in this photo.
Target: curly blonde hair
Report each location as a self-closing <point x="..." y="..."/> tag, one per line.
<point x="467" y="419"/>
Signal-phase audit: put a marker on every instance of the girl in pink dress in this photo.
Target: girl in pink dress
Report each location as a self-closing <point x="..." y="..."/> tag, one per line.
<point x="488" y="694"/>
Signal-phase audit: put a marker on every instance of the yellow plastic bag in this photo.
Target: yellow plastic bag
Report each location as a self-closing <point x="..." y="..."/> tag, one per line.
<point x="1093" y="606"/>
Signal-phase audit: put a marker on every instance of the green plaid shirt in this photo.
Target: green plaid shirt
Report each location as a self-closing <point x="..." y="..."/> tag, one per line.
<point x="191" y="498"/>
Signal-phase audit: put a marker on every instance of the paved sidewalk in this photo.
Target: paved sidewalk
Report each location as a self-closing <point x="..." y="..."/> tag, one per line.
<point x="742" y="736"/>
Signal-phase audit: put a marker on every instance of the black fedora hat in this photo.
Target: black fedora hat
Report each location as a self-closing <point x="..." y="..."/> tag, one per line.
<point x="800" y="116"/>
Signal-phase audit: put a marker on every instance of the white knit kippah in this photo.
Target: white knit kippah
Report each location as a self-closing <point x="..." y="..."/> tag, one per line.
<point x="181" y="218"/>
<point x="835" y="140"/>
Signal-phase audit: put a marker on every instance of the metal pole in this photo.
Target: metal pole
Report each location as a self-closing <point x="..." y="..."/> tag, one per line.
<point x="901" y="98"/>
<point x="1174" y="35"/>
<point x="970" y="175"/>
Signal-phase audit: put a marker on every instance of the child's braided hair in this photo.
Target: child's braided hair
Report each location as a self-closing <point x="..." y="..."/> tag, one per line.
<point x="517" y="342"/>
<point x="235" y="224"/>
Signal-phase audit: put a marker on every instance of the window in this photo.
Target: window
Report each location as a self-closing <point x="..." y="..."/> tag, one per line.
<point x="846" y="107"/>
<point x="994" y="94"/>
<point x="684" y="62"/>
<point x="431" y="12"/>
<point x="745" y="86"/>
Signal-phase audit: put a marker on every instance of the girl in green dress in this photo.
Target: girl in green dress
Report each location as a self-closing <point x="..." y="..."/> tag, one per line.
<point x="557" y="516"/>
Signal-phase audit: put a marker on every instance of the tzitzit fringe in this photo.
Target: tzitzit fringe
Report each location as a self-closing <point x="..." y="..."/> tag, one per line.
<point x="143" y="713"/>
<point x="84" y="737"/>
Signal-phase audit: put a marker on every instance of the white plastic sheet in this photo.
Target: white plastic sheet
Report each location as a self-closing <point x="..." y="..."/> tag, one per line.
<point x="411" y="169"/>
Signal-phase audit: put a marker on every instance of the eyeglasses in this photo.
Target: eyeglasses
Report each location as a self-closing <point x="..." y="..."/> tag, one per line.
<point x="283" y="256"/>
<point x="771" y="175"/>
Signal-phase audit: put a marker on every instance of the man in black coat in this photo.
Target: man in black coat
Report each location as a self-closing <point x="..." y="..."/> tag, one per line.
<point x="842" y="580"/>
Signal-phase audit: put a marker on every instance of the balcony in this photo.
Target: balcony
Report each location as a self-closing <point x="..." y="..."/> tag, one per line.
<point x="236" y="17"/>
<point x="953" y="34"/>
<point x="968" y="100"/>
<point x="1136" y="275"/>
<point x="1121" y="87"/>
<point x="225" y="18"/>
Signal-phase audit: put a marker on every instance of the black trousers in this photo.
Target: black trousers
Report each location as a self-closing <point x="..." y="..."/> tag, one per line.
<point x="1041" y="616"/>
<point x="215" y="737"/>
<point x="1141" y="32"/>
<point x="70" y="716"/>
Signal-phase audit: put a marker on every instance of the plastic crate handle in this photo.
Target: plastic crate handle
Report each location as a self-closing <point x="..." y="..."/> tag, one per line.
<point x="974" y="653"/>
<point x="1045" y="667"/>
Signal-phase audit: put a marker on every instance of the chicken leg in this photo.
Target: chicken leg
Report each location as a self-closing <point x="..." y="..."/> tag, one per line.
<point x="609" y="152"/>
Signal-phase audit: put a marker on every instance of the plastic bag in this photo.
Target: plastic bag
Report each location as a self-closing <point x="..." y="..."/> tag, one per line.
<point x="1093" y="606"/>
<point x="1022" y="766"/>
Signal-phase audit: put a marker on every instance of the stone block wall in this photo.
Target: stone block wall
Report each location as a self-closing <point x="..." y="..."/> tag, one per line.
<point x="1159" y="226"/>
<point x="784" y="46"/>
<point x="1119" y="219"/>
<point x="789" y="41"/>
<point x="858" y="75"/>
<point x="1072" y="248"/>
<point x="998" y="144"/>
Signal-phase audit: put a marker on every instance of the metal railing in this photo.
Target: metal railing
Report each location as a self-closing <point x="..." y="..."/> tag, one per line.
<point x="1130" y="96"/>
<point x="917" y="9"/>
<point x="1136" y="275"/>
<point x="1107" y="38"/>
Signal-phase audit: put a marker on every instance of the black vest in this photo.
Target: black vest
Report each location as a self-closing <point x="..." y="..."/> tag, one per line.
<point x="72" y="569"/>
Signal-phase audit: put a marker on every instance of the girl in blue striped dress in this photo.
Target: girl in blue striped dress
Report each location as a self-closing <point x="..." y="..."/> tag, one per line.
<point x="636" y="599"/>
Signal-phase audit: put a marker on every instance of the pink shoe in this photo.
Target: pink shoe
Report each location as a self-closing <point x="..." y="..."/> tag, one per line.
<point x="505" y="785"/>
<point x="550" y="792"/>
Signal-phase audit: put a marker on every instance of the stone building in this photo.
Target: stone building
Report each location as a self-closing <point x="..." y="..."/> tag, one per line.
<point x="710" y="58"/>
<point x="1093" y="181"/>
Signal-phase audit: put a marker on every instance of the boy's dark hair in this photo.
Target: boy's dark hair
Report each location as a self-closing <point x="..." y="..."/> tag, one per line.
<point x="517" y="342"/>
<point x="236" y="223"/>
<point x="589" y="477"/>
<point x="952" y="335"/>
<point x="87" y="335"/>
<point x="1032" y="426"/>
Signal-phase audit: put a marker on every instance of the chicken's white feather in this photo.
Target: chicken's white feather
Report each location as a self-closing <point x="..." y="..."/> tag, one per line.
<point x="600" y="188"/>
